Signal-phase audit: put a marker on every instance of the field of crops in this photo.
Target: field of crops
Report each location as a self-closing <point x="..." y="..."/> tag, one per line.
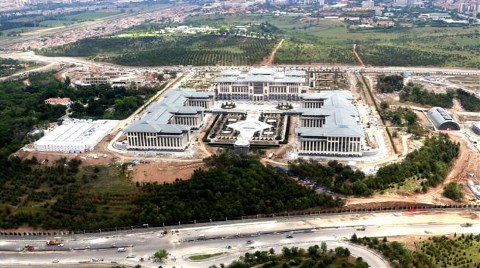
<point x="314" y="40"/>
<point x="307" y="41"/>
<point x="171" y="50"/>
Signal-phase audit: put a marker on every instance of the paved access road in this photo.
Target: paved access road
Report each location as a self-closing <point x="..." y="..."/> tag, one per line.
<point x="235" y="239"/>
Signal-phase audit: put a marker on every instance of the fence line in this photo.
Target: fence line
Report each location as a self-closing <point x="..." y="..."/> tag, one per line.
<point x="207" y="222"/>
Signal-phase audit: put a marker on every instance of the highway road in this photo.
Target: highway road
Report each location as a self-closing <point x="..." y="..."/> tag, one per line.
<point x="30" y="56"/>
<point x="231" y="239"/>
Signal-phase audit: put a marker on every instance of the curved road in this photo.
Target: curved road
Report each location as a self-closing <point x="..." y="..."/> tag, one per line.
<point x="231" y="239"/>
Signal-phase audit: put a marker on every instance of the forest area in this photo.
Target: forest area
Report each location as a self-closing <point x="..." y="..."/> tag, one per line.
<point x="67" y="196"/>
<point x="430" y="164"/>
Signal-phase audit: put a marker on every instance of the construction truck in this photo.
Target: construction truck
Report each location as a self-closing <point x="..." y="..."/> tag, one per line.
<point x="55" y="242"/>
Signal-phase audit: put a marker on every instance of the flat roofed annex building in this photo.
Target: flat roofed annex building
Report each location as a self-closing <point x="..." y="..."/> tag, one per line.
<point x="58" y="101"/>
<point x="329" y="124"/>
<point x="260" y="84"/>
<point x="168" y="124"/>
<point x="442" y="120"/>
<point x="75" y="136"/>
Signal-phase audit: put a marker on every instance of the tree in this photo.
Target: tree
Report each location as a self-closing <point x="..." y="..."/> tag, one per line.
<point x="453" y="191"/>
<point x="323" y="246"/>
<point x="354" y="238"/>
<point x="384" y="105"/>
<point x="160" y="255"/>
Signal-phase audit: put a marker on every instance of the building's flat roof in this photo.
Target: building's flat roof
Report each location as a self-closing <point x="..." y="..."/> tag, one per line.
<point x="262" y="75"/>
<point x="341" y="116"/>
<point x="352" y="131"/>
<point x="158" y="115"/>
<point x="78" y="132"/>
<point x="327" y="94"/>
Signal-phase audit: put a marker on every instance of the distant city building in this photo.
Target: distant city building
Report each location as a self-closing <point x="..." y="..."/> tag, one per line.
<point x="407" y="3"/>
<point x="329" y="124"/>
<point x="75" y="136"/>
<point x="441" y="119"/>
<point x="368" y="4"/>
<point x="434" y="16"/>
<point x="260" y="84"/>
<point x="168" y="124"/>
<point x="58" y="101"/>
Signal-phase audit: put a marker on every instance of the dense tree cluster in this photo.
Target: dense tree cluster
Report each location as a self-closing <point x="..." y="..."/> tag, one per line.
<point x="416" y="93"/>
<point x="22" y="107"/>
<point x="469" y="101"/>
<point x="335" y="176"/>
<point x="406" y="118"/>
<point x="397" y="253"/>
<point x="314" y="256"/>
<point x="231" y="186"/>
<point x="429" y="164"/>
<point x="453" y="191"/>
<point x="102" y="101"/>
<point x="171" y="50"/>
<point x="389" y="83"/>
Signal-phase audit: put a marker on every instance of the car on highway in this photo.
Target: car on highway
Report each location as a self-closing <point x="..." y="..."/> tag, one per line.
<point x="55" y="261"/>
<point x="121" y="249"/>
<point x="249" y="242"/>
<point x="289" y="236"/>
<point x="131" y="256"/>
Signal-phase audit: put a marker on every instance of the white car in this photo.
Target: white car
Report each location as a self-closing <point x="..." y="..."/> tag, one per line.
<point x="55" y="261"/>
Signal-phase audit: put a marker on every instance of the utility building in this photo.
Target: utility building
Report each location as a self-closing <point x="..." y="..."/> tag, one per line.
<point x="329" y="125"/>
<point x="441" y="119"/>
<point x="75" y="136"/>
<point x="168" y="124"/>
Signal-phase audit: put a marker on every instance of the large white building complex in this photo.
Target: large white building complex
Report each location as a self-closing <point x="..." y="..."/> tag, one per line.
<point x="75" y="136"/>
<point x="329" y="124"/>
<point x="260" y="84"/>
<point x="168" y="124"/>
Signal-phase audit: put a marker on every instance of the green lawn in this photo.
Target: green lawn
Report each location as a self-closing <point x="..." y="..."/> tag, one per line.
<point x="200" y="257"/>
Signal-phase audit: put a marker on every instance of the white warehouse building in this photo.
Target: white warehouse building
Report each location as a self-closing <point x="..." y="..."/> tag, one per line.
<point x="75" y="136"/>
<point x="329" y="124"/>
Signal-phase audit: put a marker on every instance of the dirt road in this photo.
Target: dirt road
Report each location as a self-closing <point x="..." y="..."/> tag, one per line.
<point x="271" y="58"/>
<point x="354" y="49"/>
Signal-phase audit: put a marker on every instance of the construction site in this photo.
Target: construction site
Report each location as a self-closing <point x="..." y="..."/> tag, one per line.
<point x="151" y="166"/>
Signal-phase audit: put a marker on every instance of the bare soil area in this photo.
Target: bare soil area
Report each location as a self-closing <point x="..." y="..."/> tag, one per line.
<point x="163" y="171"/>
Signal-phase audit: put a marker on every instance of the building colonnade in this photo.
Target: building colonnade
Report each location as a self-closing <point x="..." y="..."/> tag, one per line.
<point x="331" y="145"/>
<point x="312" y="122"/>
<point x="142" y="140"/>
